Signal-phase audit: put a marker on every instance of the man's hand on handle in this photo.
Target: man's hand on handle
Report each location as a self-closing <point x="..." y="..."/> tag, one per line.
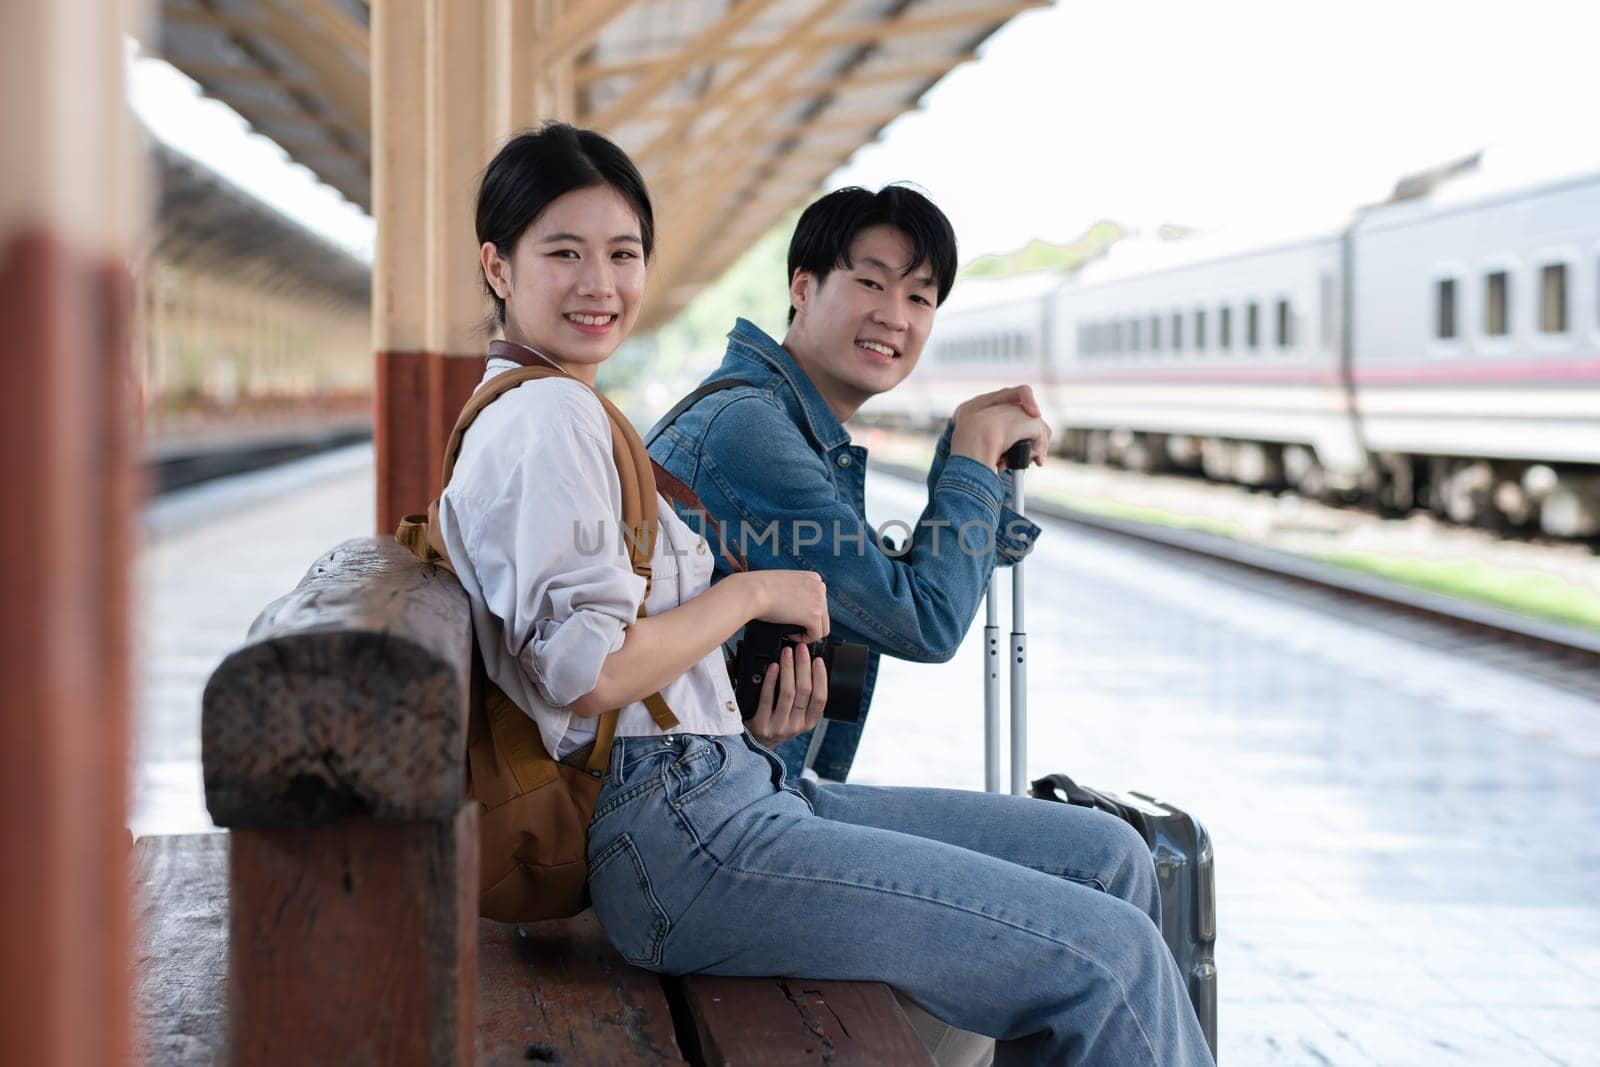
<point x="990" y="423"/>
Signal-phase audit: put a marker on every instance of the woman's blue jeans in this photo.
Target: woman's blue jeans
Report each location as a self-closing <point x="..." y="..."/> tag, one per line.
<point x="1032" y="922"/>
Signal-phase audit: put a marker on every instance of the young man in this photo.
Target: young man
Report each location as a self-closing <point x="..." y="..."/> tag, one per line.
<point x="773" y="464"/>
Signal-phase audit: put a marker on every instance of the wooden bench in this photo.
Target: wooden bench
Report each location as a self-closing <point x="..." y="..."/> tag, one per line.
<point x="337" y="921"/>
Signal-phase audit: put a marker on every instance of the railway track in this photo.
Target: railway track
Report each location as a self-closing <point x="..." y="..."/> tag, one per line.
<point x="1565" y="656"/>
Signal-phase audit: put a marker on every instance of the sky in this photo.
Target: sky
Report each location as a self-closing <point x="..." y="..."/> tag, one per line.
<point x="1210" y="114"/>
<point x="1233" y="112"/>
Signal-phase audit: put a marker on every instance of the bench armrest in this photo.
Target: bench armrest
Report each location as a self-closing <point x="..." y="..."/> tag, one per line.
<point x="349" y="697"/>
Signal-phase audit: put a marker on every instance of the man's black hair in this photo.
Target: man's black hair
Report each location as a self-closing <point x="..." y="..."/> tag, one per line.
<point x="535" y="168"/>
<point x="821" y="241"/>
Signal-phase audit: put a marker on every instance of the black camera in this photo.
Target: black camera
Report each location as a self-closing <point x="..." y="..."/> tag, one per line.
<point x="761" y="645"/>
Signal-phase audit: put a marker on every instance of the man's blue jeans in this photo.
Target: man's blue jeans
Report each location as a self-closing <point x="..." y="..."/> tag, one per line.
<point x="1031" y="922"/>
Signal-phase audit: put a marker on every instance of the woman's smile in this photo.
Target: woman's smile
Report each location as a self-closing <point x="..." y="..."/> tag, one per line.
<point x="591" y="322"/>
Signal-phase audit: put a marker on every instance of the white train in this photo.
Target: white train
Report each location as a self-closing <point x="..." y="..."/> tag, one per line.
<point x="1441" y="352"/>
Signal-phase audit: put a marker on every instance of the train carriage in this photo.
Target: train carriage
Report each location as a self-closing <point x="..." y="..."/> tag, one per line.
<point x="1220" y="362"/>
<point x="1441" y="351"/>
<point x="1476" y="366"/>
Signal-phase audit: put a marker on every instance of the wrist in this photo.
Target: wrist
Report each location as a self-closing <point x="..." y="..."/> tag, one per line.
<point x="971" y="445"/>
<point x="752" y="594"/>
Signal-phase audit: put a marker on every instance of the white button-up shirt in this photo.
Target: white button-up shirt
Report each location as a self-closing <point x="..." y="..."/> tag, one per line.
<point x="532" y="519"/>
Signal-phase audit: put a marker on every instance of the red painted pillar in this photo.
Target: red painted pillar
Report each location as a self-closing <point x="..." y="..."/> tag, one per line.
<point x="66" y="464"/>
<point x="442" y="102"/>
<point x="430" y="135"/>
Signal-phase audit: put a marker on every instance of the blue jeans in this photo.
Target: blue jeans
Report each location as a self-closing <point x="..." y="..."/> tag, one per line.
<point x="1027" y="921"/>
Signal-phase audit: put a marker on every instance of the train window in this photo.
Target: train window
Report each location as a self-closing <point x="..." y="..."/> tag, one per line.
<point x="1225" y="327"/>
<point x="1155" y="333"/>
<point x="1497" y="304"/>
<point x="1177" y="331"/>
<point x="1200" y="330"/>
<point x="1553" y="298"/>
<point x="1133" y="335"/>
<point x="1285" y="325"/>
<point x="1252" y="324"/>
<point x="1444" y="307"/>
<point x="1116" y="336"/>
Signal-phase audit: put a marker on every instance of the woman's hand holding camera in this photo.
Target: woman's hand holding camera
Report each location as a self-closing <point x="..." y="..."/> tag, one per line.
<point x="793" y="695"/>
<point x="795" y="689"/>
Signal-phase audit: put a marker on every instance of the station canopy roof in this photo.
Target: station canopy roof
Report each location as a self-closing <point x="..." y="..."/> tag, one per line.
<point x="735" y="111"/>
<point x="205" y="222"/>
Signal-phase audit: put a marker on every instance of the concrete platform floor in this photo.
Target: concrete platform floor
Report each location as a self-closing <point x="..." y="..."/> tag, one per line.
<point x="1408" y="841"/>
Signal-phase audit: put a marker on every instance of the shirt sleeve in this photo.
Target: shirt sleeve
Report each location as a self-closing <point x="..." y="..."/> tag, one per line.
<point x="547" y="548"/>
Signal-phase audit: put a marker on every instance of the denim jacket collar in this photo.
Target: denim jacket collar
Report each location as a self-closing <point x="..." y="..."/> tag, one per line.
<point x="748" y="343"/>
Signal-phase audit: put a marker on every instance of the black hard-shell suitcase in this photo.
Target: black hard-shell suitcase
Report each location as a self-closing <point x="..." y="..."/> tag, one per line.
<point x="1178" y="842"/>
<point x="1182" y="852"/>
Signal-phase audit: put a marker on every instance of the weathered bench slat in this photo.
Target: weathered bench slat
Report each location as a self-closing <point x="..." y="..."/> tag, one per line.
<point x="782" y="1021"/>
<point x="557" y="992"/>
<point x="552" y="992"/>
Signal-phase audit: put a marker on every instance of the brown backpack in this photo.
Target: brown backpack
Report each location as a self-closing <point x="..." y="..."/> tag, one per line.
<point x="534" y="817"/>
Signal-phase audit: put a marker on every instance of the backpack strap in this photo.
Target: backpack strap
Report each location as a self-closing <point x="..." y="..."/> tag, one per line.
<point x="636" y="476"/>
<point x="420" y="533"/>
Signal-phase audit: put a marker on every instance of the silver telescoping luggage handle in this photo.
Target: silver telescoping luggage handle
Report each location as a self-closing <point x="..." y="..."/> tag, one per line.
<point x="1017" y="459"/>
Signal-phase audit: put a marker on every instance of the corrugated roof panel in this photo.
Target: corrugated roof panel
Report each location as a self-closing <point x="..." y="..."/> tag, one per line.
<point x="734" y="137"/>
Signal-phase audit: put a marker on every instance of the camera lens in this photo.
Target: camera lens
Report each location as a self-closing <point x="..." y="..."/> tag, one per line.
<point x="847" y="677"/>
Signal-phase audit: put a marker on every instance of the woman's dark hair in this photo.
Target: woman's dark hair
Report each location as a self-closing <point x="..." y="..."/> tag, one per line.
<point x="537" y="167"/>
<point x="822" y="237"/>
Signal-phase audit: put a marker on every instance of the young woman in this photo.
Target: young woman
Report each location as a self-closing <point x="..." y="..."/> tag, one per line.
<point x="1033" y="922"/>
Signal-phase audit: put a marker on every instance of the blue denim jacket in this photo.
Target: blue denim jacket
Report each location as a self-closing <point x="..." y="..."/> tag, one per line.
<point x="778" y="473"/>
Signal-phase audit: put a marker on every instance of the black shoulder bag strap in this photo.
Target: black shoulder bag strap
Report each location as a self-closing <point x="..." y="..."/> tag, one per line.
<point x="675" y="490"/>
<point x="688" y="402"/>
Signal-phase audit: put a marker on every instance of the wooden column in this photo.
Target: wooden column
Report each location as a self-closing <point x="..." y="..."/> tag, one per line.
<point x="66" y="215"/>
<point x="450" y="80"/>
<point x="460" y="139"/>
<point x="402" y="436"/>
